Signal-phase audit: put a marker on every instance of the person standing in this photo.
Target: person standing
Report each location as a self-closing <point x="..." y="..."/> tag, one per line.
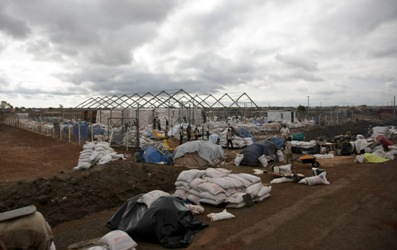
<point x="285" y="132"/>
<point x="229" y="137"/>
<point x="181" y="136"/>
<point x="188" y="132"/>
<point x="196" y="133"/>
<point x="288" y="150"/>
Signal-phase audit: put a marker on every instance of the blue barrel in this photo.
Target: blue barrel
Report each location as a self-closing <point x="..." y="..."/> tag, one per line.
<point x="97" y="130"/>
<point x="84" y="131"/>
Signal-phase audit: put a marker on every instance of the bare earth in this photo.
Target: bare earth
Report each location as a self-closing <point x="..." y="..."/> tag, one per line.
<point x="358" y="210"/>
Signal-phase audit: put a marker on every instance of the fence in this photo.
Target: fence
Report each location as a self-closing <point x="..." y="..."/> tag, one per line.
<point x="78" y="132"/>
<point x="328" y="117"/>
<point x="122" y="129"/>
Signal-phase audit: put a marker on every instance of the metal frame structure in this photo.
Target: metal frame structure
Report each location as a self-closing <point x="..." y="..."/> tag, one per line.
<point x="166" y="99"/>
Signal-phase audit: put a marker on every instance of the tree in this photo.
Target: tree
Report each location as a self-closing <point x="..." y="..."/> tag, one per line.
<point x="301" y="108"/>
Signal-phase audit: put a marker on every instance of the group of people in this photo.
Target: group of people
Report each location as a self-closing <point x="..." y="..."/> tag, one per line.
<point x="196" y="133"/>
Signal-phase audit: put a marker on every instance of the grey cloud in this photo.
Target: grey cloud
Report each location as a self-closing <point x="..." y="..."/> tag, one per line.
<point x="326" y="92"/>
<point x="42" y="51"/>
<point x="123" y="12"/>
<point x="297" y="62"/>
<point x="293" y="76"/>
<point x="13" y="26"/>
<point x="208" y="30"/>
<point x="124" y="80"/>
<point x="219" y="71"/>
<point x="353" y="19"/>
<point x="18" y="89"/>
<point x="384" y="51"/>
<point x="4" y="82"/>
<point x="102" y="32"/>
<point x="305" y="76"/>
<point x="111" y="56"/>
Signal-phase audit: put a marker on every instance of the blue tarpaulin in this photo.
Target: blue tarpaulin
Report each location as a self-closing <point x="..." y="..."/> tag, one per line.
<point x="278" y="141"/>
<point x="242" y="132"/>
<point x="153" y="155"/>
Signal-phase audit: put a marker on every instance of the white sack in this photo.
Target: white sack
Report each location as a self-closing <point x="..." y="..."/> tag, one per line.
<point x="118" y="240"/>
<point x="188" y="175"/>
<point x="220" y="216"/>
<point x="239" y="158"/>
<point x="196" y="209"/>
<point x="210" y="187"/>
<point x="236" y="198"/>
<point x="254" y="189"/>
<point x="280" y="155"/>
<point x="151" y="197"/>
<point x="359" y="159"/>
<point x="315" y="180"/>
<point x="262" y="159"/>
<point x="285" y="169"/>
<point x="251" y="178"/>
<point x="281" y="180"/>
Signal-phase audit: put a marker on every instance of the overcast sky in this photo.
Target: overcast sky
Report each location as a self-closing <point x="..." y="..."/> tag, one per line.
<point x="278" y="52"/>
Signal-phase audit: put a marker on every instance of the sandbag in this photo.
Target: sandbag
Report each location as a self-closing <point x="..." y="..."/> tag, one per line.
<point x="220" y="216"/>
<point x="152" y="196"/>
<point x="27" y="232"/>
<point x="238" y="159"/>
<point x="118" y="240"/>
<point x="280" y="155"/>
<point x="359" y="158"/>
<point x="262" y="159"/>
<point x="315" y="180"/>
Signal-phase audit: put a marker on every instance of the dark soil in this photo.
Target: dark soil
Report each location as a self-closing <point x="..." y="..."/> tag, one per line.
<point x="356" y="211"/>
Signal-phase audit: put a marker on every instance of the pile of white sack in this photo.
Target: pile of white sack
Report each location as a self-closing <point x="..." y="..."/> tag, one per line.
<point x="218" y="185"/>
<point x="96" y="153"/>
<point x="303" y="144"/>
<point x="323" y="156"/>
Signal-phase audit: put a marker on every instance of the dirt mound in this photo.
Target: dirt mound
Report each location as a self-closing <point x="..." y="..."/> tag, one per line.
<point x="330" y="131"/>
<point x="72" y="196"/>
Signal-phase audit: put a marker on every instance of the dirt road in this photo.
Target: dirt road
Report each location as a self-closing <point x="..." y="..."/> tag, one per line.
<point x="356" y="211"/>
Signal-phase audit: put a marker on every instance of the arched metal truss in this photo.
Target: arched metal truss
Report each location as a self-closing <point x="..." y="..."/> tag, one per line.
<point x="167" y="99"/>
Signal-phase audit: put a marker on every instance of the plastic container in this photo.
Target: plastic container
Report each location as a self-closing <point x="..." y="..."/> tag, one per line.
<point x="83" y="129"/>
<point x="384" y="141"/>
<point x="298" y="137"/>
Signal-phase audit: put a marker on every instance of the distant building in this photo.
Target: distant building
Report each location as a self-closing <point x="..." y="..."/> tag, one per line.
<point x="281" y="116"/>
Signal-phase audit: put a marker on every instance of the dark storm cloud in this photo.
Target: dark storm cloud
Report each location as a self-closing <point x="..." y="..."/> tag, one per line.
<point x="106" y="81"/>
<point x="217" y="71"/>
<point x="102" y="32"/>
<point x="11" y="25"/>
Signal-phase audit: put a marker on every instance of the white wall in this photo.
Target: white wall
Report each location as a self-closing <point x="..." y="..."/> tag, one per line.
<point x="281" y="116"/>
